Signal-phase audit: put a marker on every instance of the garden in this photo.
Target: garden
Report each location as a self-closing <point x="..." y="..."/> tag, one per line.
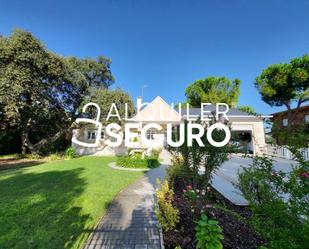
<point x="194" y="215"/>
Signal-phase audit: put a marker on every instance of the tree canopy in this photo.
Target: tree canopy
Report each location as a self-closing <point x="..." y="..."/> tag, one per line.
<point x="213" y="90"/>
<point x="105" y="98"/>
<point x="40" y="91"/>
<point x="285" y="83"/>
<point x="97" y="73"/>
<point x="247" y="109"/>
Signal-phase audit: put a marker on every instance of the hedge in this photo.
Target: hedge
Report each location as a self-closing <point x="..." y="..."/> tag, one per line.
<point x="129" y="162"/>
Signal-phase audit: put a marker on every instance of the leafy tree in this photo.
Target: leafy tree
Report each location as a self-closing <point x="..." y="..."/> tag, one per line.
<point x="40" y="91"/>
<point x="183" y="105"/>
<point x="285" y="83"/>
<point x="194" y="157"/>
<point x="213" y="90"/>
<point x="105" y="98"/>
<point x="247" y="109"/>
<point x="97" y="73"/>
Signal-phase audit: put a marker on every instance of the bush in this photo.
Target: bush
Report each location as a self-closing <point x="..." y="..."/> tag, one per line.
<point x="279" y="202"/>
<point x="155" y="153"/>
<point x="152" y="162"/>
<point x="167" y="215"/>
<point x="70" y="152"/>
<point x="191" y="195"/>
<point x="178" y="169"/>
<point x="137" y="162"/>
<point x="194" y="157"/>
<point x="208" y="234"/>
<point x="131" y="162"/>
<point x="136" y="155"/>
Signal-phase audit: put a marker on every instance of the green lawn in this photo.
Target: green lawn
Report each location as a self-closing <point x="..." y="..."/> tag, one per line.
<point x="56" y="204"/>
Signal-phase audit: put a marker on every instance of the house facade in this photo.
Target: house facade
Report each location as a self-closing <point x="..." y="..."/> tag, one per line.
<point x="301" y="117"/>
<point x="247" y="130"/>
<point x="280" y="120"/>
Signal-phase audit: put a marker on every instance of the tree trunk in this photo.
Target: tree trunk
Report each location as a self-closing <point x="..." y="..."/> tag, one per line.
<point x="23" y="144"/>
<point x="50" y="139"/>
<point x="26" y="144"/>
<point x="36" y="148"/>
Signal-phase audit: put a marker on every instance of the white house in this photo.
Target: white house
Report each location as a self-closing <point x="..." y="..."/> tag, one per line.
<point x="247" y="130"/>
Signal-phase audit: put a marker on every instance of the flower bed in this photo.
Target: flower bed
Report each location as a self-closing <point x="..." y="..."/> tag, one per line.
<point x="278" y="200"/>
<point x="192" y="204"/>
<point x="277" y="215"/>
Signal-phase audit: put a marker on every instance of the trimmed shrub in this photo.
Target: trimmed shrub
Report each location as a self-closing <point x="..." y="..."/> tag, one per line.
<point x="137" y="162"/>
<point x="155" y="153"/>
<point x="152" y="162"/>
<point x="130" y="162"/>
<point x="167" y="215"/>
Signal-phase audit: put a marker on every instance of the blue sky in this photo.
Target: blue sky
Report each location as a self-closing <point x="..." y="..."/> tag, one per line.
<point x="167" y="45"/>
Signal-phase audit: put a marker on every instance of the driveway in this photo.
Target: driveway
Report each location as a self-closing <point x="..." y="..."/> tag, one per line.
<point x="225" y="180"/>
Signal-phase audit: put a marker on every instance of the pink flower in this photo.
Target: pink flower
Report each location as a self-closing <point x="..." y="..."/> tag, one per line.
<point x="189" y="186"/>
<point x="184" y="191"/>
<point x="305" y="174"/>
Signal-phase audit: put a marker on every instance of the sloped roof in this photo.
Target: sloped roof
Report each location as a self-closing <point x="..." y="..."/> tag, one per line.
<point x="154" y="110"/>
<point x="212" y="108"/>
<point x="302" y="108"/>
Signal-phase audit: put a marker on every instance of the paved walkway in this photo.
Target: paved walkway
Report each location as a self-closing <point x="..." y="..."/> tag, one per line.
<point x="130" y="222"/>
<point x="225" y="180"/>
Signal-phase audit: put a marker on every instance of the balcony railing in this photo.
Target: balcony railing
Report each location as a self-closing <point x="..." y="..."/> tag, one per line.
<point x="284" y="152"/>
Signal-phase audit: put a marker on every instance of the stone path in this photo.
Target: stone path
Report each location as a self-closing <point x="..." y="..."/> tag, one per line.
<point x="130" y="222"/>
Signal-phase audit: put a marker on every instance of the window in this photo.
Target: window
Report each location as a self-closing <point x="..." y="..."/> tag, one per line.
<point x="285" y="122"/>
<point x="149" y="134"/>
<point x="91" y="135"/>
<point x="88" y="135"/>
<point x="306" y="119"/>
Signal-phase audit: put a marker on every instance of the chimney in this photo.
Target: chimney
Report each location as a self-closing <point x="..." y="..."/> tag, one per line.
<point x="138" y="103"/>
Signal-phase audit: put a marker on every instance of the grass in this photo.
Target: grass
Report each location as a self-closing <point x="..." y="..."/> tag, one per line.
<point x="57" y="204"/>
